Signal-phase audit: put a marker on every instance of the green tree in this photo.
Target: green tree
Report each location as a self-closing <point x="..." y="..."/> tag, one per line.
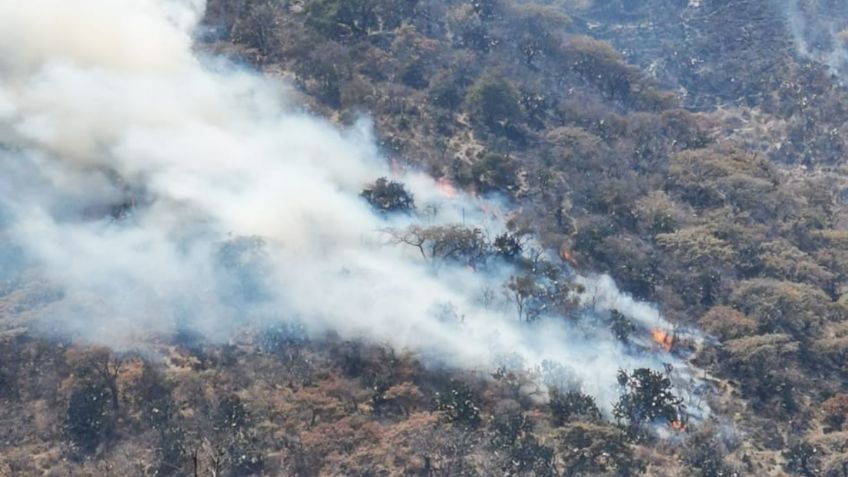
<point x="572" y="405"/>
<point x="647" y="397"/>
<point x="494" y="103"/>
<point x="88" y="420"/>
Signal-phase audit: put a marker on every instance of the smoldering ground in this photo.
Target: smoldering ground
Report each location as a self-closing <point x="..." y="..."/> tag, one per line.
<point x="155" y="189"/>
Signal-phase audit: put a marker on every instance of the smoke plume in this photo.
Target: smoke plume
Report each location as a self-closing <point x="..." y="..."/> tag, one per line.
<point x="152" y="189"/>
<point x="820" y="31"/>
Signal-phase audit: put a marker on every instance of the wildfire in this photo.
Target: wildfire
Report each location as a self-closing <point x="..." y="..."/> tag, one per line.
<point x="446" y="188"/>
<point x="662" y="338"/>
<point x="566" y="256"/>
<point x="677" y="425"/>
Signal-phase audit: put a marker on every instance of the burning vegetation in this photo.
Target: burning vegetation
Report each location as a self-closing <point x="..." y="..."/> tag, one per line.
<point x="700" y="164"/>
<point x="663" y="339"/>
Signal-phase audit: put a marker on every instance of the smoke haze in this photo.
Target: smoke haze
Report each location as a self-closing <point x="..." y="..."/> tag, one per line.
<point x="153" y="190"/>
<point x="820" y="31"/>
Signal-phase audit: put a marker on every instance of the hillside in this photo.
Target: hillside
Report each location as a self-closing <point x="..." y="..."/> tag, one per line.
<point x="693" y="151"/>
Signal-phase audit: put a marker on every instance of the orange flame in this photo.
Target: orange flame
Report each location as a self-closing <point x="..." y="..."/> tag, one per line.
<point x="566" y="256"/>
<point x="446" y="188"/>
<point x="662" y="338"/>
<point x="677" y="425"/>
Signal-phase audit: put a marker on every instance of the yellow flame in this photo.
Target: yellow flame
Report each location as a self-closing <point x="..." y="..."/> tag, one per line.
<point x="662" y="338"/>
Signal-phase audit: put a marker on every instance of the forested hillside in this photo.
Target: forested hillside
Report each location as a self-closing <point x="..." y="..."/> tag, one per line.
<point x="692" y="150"/>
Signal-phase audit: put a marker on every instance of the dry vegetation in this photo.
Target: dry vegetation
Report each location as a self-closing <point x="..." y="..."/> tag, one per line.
<point x="686" y="199"/>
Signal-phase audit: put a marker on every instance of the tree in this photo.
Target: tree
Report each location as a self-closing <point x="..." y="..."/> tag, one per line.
<point x="233" y="445"/>
<point x="341" y="18"/>
<point x="725" y="323"/>
<point x="594" y="449"/>
<point x="620" y="326"/>
<point x="448" y="243"/>
<point x="802" y="459"/>
<point x="764" y="363"/>
<point x="785" y="307"/>
<point x="711" y="177"/>
<point x="405" y="397"/>
<point x="357" y="18"/>
<point x="494" y="103"/>
<point x="703" y="455"/>
<point x="459" y="404"/>
<point x="507" y="246"/>
<point x="525" y="293"/>
<point x="388" y="196"/>
<point x="509" y="423"/>
<point x="535" y="29"/>
<point x="107" y="367"/>
<point x="151" y="394"/>
<point x="647" y="397"/>
<point x="88" y="420"/>
<point x="259" y="27"/>
<point x="572" y="405"/>
<point x="537" y="295"/>
<point x="492" y="172"/>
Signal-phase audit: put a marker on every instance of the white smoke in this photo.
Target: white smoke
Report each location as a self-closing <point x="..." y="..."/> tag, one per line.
<point x="820" y="31"/>
<point x="104" y="103"/>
